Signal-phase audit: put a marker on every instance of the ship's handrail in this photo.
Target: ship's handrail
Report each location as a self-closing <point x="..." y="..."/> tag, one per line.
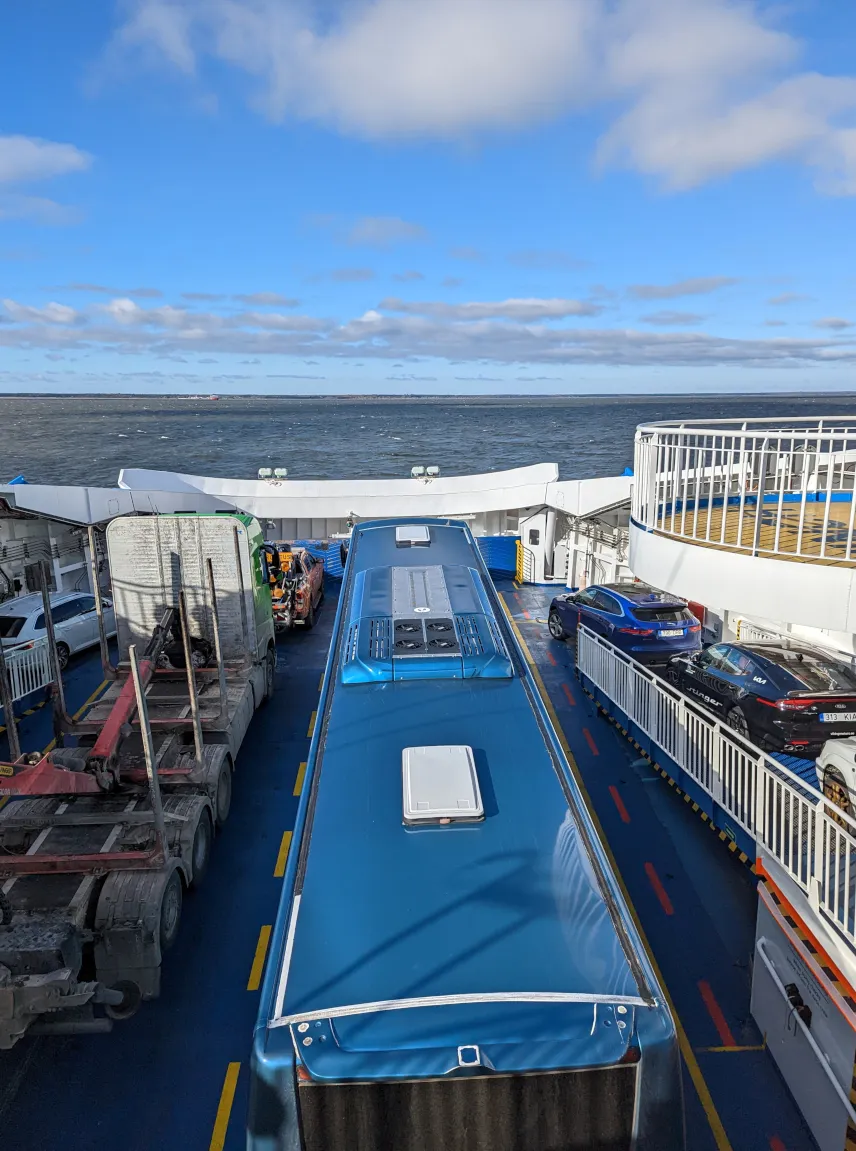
<point x="813" y="841"/>
<point x="29" y="669"/>
<point x="763" y="487"/>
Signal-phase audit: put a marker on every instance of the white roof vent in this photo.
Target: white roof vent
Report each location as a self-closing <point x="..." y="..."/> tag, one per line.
<point x="440" y="785"/>
<point x="412" y="536"/>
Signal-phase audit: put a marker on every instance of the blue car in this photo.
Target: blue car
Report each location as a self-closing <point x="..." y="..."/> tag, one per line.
<point x="651" y="626"/>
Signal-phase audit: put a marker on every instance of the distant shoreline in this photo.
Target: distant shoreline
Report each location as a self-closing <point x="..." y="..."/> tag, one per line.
<point x="434" y="397"/>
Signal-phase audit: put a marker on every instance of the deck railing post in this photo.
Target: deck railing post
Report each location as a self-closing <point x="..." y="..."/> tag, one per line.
<point x="8" y="709"/>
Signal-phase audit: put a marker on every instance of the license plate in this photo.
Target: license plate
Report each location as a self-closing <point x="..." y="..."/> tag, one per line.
<point x="838" y="716"/>
<point x="669" y="633"/>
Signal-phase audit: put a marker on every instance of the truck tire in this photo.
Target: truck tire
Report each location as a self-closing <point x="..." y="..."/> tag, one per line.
<point x="223" y="798"/>
<point x="170" y="912"/>
<point x="309" y="622"/>
<point x="270" y="675"/>
<point x="200" y="855"/>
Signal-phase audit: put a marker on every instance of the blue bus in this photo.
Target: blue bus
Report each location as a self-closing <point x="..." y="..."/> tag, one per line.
<point x="453" y="966"/>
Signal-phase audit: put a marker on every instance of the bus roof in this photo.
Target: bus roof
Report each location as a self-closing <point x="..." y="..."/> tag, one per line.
<point x="399" y="915"/>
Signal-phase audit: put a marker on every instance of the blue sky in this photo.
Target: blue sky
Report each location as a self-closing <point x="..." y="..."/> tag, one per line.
<point x="428" y="196"/>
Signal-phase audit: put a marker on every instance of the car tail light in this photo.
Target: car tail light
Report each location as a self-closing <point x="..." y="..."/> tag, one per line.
<point x="694" y="627"/>
<point x="788" y="704"/>
<point x="636" y="630"/>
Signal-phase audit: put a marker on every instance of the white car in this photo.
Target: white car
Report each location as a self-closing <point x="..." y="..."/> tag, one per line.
<point x="22" y="622"/>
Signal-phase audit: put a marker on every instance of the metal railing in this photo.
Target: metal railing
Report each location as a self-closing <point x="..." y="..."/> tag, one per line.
<point x="767" y="487"/>
<point x="793" y="822"/>
<point x="29" y="668"/>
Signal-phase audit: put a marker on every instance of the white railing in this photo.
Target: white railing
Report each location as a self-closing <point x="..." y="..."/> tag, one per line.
<point x="812" y="840"/>
<point x="29" y="668"/>
<point x="767" y="487"/>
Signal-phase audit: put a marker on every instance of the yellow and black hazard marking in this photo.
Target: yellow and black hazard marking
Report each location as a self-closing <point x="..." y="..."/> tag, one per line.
<point x="818" y="955"/>
<point x="723" y="835"/>
<point x="29" y="711"/>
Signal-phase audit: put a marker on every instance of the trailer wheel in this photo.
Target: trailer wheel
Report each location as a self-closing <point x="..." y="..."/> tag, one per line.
<point x="201" y="851"/>
<point x="223" y="801"/>
<point x="170" y="911"/>
<point x="270" y="674"/>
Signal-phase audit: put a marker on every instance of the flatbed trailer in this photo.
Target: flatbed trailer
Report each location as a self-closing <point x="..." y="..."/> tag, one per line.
<point x="106" y="832"/>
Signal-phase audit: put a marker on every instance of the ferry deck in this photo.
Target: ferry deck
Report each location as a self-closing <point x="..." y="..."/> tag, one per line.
<point x="176" y="1075"/>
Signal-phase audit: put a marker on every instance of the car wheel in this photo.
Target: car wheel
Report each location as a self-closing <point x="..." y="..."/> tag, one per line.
<point x="63" y="651"/>
<point x="736" y="720"/>
<point x="309" y="622"/>
<point x="554" y="623"/>
<point x="838" y="794"/>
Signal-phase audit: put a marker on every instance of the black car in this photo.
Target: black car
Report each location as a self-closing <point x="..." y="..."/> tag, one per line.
<point x="783" y="696"/>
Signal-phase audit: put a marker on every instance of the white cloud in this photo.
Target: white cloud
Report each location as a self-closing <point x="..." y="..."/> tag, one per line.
<point x="351" y="275"/>
<point x="697" y="88"/>
<point x="103" y="290"/>
<point x="787" y="298"/>
<point x="407" y="277"/>
<point x="260" y="299"/>
<point x="540" y="259"/>
<point x="39" y="209"/>
<point x="509" y="332"/>
<point x="27" y="158"/>
<point x="833" y="323"/>
<point x="49" y="314"/>
<point x="668" y="319"/>
<point x="384" y="231"/>
<point x="697" y="286"/>
<point x="533" y="309"/>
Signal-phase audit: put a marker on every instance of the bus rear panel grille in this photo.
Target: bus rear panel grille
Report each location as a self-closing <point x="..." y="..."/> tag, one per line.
<point x="559" y="1111"/>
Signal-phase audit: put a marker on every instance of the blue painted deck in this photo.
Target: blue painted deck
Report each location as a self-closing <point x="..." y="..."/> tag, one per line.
<point x="155" y="1082"/>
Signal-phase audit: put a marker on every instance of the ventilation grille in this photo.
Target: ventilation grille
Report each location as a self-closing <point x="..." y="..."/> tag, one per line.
<point x="471" y="642"/>
<point x="378" y="639"/>
<point x="499" y="642"/>
<point x="351" y="644"/>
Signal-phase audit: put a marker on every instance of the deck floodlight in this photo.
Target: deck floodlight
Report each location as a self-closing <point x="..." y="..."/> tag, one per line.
<point x="280" y="473"/>
<point x="432" y="471"/>
<point x="265" y="473"/>
<point x="415" y="473"/>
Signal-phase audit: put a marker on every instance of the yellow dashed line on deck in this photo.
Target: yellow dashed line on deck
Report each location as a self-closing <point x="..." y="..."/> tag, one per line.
<point x="224" y="1109"/>
<point x="732" y="1050"/>
<point x="254" y="982"/>
<point x="282" y="858"/>
<point x="722" y="1141"/>
<point x="312" y="719"/>
<point x="298" y="783"/>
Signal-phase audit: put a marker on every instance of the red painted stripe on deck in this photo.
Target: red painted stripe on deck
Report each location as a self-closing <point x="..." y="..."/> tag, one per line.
<point x="526" y="614"/>
<point x="776" y="1144"/>
<point x="719" y="1020"/>
<point x="569" y="696"/>
<point x="551" y="658"/>
<point x="590" y="741"/>
<point x="662" y="895"/>
<point x="619" y="803"/>
<point x="516" y="596"/>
